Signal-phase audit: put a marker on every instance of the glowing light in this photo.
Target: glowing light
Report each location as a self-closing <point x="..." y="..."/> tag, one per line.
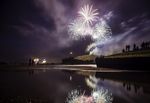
<point x="87" y="23"/>
<point x="101" y="34"/>
<point x="102" y="96"/>
<point x="82" y="25"/>
<point x="43" y="61"/>
<point x="97" y="96"/>
<point x="78" y="29"/>
<point x="70" y="53"/>
<point x="101" y="30"/>
<point x="74" y="96"/>
<point x="88" y="14"/>
<point x="91" y="81"/>
<point x="78" y="97"/>
<point x="36" y="60"/>
<point x="70" y="78"/>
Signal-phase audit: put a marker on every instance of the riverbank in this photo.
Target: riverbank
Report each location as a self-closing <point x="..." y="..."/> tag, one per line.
<point x="132" y="60"/>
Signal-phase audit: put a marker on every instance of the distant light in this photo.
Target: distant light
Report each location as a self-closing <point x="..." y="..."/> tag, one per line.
<point x="70" y="78"/>
<point x="70" y="53"/>
<point x="36" y="60"/>
<point x="44" y="61"/>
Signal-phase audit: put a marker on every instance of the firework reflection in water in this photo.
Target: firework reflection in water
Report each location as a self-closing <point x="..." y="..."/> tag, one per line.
<point x="102" y="95"/>
<point x="97" y="96"/>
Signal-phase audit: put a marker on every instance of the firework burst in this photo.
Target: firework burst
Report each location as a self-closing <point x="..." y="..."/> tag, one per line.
<point x="101" y="31"/>
<point x="88" y="14"/>
<point x="87" y="23"/>
<point x="78" y="29"/>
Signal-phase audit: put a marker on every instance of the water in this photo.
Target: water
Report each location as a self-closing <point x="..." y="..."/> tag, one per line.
<point x="52" y="84"/>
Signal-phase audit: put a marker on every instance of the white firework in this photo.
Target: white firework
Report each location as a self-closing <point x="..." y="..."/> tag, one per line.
<point x="102" y="96"/>
<point x="78" y="29"/>
<point x="87" y="23"/>
<point x="74" y="96"/>
<point x="101" y="31"/>
<point x="88" y="14"/>
<point x="97" y="96"/>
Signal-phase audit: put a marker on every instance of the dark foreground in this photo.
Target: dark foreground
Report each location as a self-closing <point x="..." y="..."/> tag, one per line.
<point x="131" y="63"/>
<point x="51" y="84"/>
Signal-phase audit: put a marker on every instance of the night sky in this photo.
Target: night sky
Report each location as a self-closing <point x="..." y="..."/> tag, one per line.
<point x="38" y="28"/>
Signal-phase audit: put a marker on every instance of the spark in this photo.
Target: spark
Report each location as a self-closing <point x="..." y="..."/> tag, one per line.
<point x="88" y="23"/>
<point x="88" y="14"/>
<point x="74" y="96"/>
<point x="82" y="25"/>
<point x="101" y="31"/>
<point x="97" y="96"/>
<point x="102" y="96"/>
<point x="78" y="29"/>
<point x="101" y="35"/>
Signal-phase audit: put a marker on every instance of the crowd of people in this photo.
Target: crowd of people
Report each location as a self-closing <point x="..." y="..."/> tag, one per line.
<point x="143" y="46"/>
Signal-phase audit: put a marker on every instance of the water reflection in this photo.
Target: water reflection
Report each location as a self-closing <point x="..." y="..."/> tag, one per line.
<point x="100" y="95"/>
<point x="32" y="72"/>
<point x="50" y="85"/>
<point x="124" y="91"/>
